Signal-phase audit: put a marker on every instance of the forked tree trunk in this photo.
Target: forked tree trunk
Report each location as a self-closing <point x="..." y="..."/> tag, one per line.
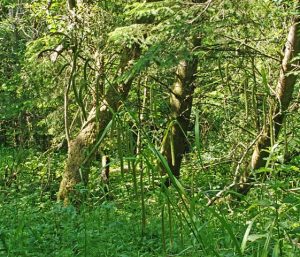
<point x="181" y="99"/>
<point x="284" y="93"/>
<point x="79" y="152"/>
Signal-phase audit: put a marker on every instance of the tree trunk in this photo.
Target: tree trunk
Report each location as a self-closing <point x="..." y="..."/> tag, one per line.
<point x="71" y="4"/>
<point x="79" y="152"/>
<point x="284" y="93"/>
<point x="105" y="169"/>
<point x="181" y="99"/>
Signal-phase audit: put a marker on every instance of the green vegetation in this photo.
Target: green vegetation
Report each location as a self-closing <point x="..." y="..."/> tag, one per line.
<point x="149" y="128"/>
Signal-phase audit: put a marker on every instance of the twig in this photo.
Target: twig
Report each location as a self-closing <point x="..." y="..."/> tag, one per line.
<point x="235" y="179"/>
<point x="207" y="4"/>
<point x="253" y="48"/>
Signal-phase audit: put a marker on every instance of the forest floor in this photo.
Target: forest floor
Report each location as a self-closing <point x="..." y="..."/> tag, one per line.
<point x="133" y="222"/>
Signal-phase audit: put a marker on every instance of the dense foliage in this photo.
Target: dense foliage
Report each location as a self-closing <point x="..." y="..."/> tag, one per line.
<point x="155" y="85"/>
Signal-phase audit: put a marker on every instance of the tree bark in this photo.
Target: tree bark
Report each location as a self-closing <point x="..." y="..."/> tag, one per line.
<point x="105" y="169"/>
<point x="71" y="4"/>
<point x="284" y="92"/>
<point x="181" y="99"/>
<point x="79" y="152"/>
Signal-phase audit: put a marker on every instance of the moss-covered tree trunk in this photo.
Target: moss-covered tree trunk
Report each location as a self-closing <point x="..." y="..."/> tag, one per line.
<point x="284" y="93"/>
<point x="181" y="99"/>
<point x="79" y="152"/>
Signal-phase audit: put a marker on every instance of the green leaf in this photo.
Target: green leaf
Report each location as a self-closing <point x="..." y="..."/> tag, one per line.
<point x="228" y="228"/>
<point x="247" y="234"/>
<point x="276" y="251"/>
<point x="255" y="237"/>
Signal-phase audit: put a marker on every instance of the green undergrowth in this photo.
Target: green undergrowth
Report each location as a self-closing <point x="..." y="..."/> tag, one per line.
<point x="63" y="231"/>
<point x="164" y="222"/>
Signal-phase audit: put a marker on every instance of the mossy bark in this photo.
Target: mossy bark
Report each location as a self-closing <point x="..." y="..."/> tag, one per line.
<point x="79" y="152"/>
<point x="181" y="99"/>
<point x="76" y="164"/>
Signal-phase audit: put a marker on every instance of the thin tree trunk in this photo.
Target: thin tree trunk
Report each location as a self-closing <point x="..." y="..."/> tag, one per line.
<point x="284" y="93"/>
<point x="105" y="169"/>
<point x="181" y="99"/>
<point x="79" y="152"/>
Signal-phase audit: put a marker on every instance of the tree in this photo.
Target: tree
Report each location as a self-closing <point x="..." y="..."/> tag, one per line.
<point x="181" y="99"/>
<point x="81" y="148"/>
<point x="111" y="88"/>
<point x="283" y="96"/>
